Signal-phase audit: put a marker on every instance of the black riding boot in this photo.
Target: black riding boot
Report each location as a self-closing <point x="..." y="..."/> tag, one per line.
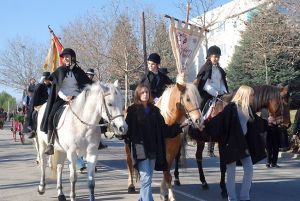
<point x="50" y="147"/>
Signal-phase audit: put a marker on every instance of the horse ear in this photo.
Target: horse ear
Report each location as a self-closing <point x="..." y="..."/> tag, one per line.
<point x="196" y="82"/>
<point x="284" y="90"/>
<point x="180" y="87"/>
<point x="116" y="83"/>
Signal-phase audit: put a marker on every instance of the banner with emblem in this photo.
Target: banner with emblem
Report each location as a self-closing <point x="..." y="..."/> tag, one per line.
<point x="52" y="59"/>
<point x="186" y="40"/>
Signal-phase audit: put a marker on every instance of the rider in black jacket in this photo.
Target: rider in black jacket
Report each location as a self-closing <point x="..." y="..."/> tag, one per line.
<point x="67" y="82"/>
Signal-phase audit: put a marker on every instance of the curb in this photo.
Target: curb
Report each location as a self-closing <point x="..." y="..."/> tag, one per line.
<point x="288" y="155"/>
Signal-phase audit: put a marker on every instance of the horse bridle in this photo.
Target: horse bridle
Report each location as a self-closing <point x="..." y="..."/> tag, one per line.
<point x="110" y="117"/>
<point x="281" y="108"/>
<point x="187" y="112"/>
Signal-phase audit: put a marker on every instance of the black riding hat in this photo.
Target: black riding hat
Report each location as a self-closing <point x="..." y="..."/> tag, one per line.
<point x="90" y="71"/>
<point x="154" y="57"/>
<point x="213" y="50"/>
<point x="68" y="51"/>
<point x="46" y="74"/>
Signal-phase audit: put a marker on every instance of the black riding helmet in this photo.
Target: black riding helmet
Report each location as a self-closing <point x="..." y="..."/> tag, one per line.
<point x="213" y="50"/>
<point x="70" y="52"/>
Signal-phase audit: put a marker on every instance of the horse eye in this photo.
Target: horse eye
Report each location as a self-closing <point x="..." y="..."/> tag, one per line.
<point x="188" y="99"/>
<point x="109" y="104"/>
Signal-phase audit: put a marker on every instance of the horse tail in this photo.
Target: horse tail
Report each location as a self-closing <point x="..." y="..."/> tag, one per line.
<point x="56" y="161"/>
<point x="53" y="163"/>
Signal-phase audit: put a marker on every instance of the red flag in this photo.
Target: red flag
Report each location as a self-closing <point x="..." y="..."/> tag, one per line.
<point x="52" y="58"/>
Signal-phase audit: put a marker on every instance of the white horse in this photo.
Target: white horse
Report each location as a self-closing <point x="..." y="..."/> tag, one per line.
<point x="78" y="133"/>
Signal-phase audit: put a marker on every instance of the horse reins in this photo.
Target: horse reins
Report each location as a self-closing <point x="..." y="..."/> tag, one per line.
<point x="110" y="117"/>
<point x="187" y="112"/>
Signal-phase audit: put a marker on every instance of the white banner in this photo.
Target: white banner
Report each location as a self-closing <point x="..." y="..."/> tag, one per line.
<point x="186" y="40"/>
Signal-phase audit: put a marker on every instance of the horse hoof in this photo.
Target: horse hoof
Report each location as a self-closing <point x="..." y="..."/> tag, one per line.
<point x="177" y="182"/>
<point x="224" y="194"/>
<point x="92" y="197"/>
<point x="164" y="197"/>
<point x="61" y="198"/>
<point x="41" y="189"/>
<point x="204" y="185"/>
<point x="131" y="189"/>
<point x="41" y="192"/>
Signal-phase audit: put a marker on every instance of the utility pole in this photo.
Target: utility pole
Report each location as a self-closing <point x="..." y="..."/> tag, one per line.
<point x="144" y="42"/>
<point x="188" y="8"/>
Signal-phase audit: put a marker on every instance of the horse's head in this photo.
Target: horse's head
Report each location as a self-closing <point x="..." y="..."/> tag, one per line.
<point x="180" y="102"/>
<point x="112" y="108"/>
<point x="283" y="111"/>
<point x="275" y="99"/>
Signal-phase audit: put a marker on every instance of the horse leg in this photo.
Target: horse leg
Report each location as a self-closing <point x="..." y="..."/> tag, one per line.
<point x="172" y="149"/>
<point x="72" y="157"/>
<point x="41" y="188"/>
<point x="91" y="164"/>
<point x="131" y="187"/>
<point x="60" y="194"/>
<point x="36" y="145"/>
<point x="176" y="171"/>
<point x="163" y="189"/>
<point x="199" y="152"/>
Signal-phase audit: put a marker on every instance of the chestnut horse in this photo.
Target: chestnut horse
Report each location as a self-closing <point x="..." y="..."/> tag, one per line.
<point x="275" y="99"/>
<point x="177" y="103"/>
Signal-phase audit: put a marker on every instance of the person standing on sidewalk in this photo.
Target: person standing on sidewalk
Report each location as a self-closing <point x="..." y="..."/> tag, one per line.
<point x="238" y="136"/>
<point x="146" y="129"/>
<point x="296" y="127"/>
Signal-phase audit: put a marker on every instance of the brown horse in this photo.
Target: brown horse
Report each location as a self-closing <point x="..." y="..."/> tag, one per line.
<point x="275" y="99"/>
<point x="177" y="103"/>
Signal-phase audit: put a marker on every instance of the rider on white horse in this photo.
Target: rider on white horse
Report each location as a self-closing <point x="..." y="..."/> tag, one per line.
<point x="67" y="82"/>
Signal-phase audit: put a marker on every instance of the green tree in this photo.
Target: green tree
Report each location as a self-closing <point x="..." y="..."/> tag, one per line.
<point x="7" y="101"/>
<point x="268" y="51"/>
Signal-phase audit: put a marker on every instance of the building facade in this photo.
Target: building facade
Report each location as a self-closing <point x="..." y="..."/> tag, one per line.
<point x="225" y="24"/>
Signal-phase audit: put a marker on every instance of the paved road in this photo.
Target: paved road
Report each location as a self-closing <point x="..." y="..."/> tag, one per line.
<point x="19" y="177"/>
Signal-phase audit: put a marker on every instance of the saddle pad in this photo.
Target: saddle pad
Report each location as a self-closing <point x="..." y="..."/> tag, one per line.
<point x="58" y="114"/>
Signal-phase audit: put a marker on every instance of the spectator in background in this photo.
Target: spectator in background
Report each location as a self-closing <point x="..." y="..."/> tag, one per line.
<point x="296" y="127"/>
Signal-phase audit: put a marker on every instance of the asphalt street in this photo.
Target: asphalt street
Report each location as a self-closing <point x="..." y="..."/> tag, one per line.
<point x="19" y="176"/>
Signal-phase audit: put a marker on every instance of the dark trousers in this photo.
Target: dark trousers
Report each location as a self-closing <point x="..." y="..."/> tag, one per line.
<point x="204" y="98"/>
<point x="273" y="143"/>
<point x="55" y="107"/>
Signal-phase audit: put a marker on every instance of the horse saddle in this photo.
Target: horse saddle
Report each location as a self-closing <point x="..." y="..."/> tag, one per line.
<point x="208" y="108"/>
<point x="58" y="114"/>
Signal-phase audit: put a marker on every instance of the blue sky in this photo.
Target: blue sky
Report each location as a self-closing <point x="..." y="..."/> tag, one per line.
<point x="30" y="18"/>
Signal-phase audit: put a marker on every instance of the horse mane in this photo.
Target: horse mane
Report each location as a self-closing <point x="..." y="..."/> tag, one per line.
<point x="262" y="95"/>
<point x="88" y="91"/>
<point x="165" y="97"/>
<point x="191" y="91"/>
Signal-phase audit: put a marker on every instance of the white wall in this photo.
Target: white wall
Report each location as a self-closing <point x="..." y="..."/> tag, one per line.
<point x="229" y="20"/>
